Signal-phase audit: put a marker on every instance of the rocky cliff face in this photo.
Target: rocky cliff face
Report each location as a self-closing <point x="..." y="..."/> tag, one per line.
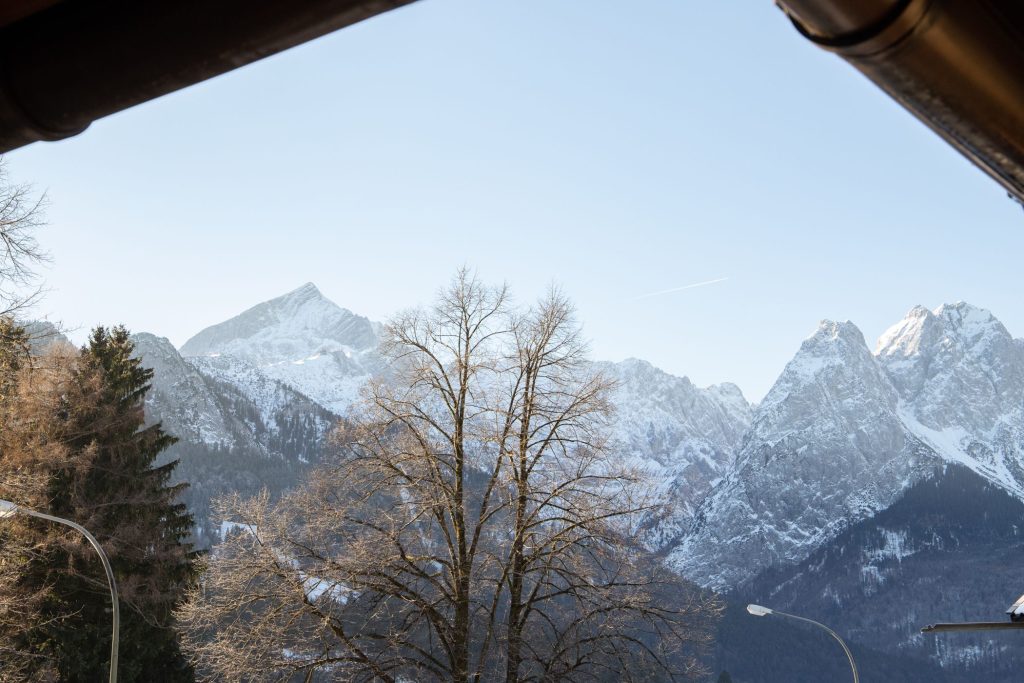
<point x="845" y="431"/>
<point x="181" y="398"/>
<point x="960" y="378"/>
<point x="826" y="448"/>
<point x="238" y="432"/>
<point x="684" y="436"/>
<point x="201" y="403"/>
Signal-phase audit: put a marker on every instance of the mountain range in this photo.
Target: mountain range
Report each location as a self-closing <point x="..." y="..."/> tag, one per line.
<point x="760" y="499"/>
<point x="845" y="431"/>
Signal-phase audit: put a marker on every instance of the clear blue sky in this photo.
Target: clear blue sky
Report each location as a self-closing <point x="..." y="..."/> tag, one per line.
<point x="616" y="148"/>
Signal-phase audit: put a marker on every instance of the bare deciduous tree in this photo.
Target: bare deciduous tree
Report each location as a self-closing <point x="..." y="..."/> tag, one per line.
<point x="21" y="217"/>
<point x="475" y="526"/>
<point x="33" y="390"/>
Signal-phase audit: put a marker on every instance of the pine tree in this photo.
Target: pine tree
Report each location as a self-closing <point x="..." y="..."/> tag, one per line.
<point x="120" y="492"/>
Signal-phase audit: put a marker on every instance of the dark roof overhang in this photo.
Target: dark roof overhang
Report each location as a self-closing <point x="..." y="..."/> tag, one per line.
<point x="958" y="65"/>
<point x="66" y="63"/>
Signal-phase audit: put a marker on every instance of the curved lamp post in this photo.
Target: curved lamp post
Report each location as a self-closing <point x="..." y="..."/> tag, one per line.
<point x="759" y="611"/>
<point x="9" y="509"/>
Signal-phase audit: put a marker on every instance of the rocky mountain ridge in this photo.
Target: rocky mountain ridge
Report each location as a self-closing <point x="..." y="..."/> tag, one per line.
<point x="231" y="385"/>
<point x="807" y="500"/>
<point x="844" y="432"/>
<point x="756" y="496"/>
<point x="841" y="435"/>
<point x="300" y="339"/>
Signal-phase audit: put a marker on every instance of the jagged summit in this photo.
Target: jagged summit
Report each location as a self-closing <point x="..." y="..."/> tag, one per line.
<point x="960" y="376"/>
<point x="832" y="358"/>
<point x="831" y="340"/>
<point x="832" y="329"/>
<point x="843" y="432"/>
<point x="904" y="338"/>
<point x="300" y="338"/>
<point x="960" y="324"/>
<point x="300" y="296"/>
<point x="307" y="289"/>
<point x="823" y="448"/>
<point x="638" y="368"/>
<point x="284" y="328"/>
<point x="957" y="348"/>
<point x="972" y="320"/>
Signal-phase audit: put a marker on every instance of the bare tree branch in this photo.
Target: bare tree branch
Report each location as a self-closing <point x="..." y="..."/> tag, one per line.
<point x="474" y="527"/>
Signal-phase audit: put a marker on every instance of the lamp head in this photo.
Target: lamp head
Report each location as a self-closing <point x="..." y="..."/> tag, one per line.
<point x="7" y="509"/>
<point x="758" y="610"/>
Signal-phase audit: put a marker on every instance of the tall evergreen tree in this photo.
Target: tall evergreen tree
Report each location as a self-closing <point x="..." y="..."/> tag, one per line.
<point x="117" y="489"/>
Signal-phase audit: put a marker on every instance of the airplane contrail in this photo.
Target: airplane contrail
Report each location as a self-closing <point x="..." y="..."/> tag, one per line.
<point x="679" y="289"/>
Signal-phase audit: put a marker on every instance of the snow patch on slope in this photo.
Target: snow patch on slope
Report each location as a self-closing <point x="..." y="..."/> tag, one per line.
<point x="844" y="432"/>
<point x="300" y="339"/>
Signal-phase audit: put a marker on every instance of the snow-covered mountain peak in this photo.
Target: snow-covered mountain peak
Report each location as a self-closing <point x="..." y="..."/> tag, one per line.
<point x="844" y="431"/>
<point x="971" y="324"/>
<point x="831" y="342"/>
<point x="730" y="394"/>
<point x="963" y="312"/>
<point x="833" y="357"/>
<point x="960" y="325"/>
<point x="302" y="339"/>
<point x="149" y="343"/>
<point x="904" y="338"/>
<point x="825" y="446"/>
<point x="831" y="331"/>
<point x="957" y="348"/>
<point x="640" y="372"/>
<point x="297" y="298"/>
<point x="960" y="377"/>
<point x="289" y="328"/>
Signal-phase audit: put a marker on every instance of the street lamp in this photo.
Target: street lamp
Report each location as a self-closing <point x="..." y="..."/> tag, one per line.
<point x="1016" y="622"/>
<point x="759" y="611"/>
<point x="9" y="509"/>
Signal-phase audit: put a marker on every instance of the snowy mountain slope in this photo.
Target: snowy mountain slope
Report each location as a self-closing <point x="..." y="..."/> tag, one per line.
<point x="684" y="436"/>
<point x="826" y="447"/>
<point x="301" y="347"/>
<point x="181" y="398"/>
<point x="238" y="432"/>
<point x="270" y="396"/>
<point x="301" y="339"/>
<point x="845" y="431"/>
<point x="960" y="376"/>
<point x="224" y="404"/>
